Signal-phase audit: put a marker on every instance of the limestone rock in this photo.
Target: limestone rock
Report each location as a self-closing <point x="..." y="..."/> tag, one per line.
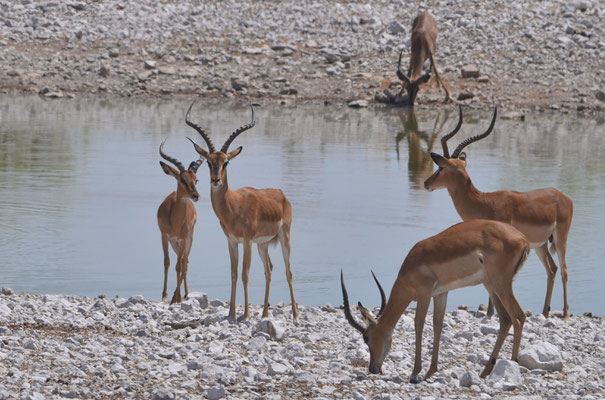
<point x="541" y="355"/>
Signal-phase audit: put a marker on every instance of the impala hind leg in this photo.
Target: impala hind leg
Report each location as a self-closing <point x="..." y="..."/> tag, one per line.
<point x="447" y="93"/>
<point x="421" y="310"/>
<point x="505" y="323"/>
<point x="233" y="256"/>
<point x="166" y="266"/>
<point x="560" y="241"/>
<point x="263" y="252"/>
<point x="551" y="271"/>
<point x="439" y="305"/>
<point x="246" y="275"/>
<point x="284" y="240"/>
<point x="176" y="297"/>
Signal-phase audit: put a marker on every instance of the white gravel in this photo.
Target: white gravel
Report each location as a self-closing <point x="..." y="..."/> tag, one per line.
<point x="54" y="346"/>
<point x="532" y="55"/>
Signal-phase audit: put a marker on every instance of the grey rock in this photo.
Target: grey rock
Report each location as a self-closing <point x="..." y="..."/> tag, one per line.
<point x="470" y="378"/>
<point x="239" y="84"/>
<point x="150" y="64"/>
<point x="6" y="291"/>
<point x="163" y="394"/>
<point x="465" y="95"/>
<point x="276" y="368"/>
<point x="271" y="328"/>
<point x="541" y="355"/>
<point x="304" y="376"/>
<point x="506" y="375"/>
<point x="358" y="104"/>
<point x="600" y="95"/>
<point x="470" y="71"/>
<point x="395" y="28"/>
<point x="215" y="392"/>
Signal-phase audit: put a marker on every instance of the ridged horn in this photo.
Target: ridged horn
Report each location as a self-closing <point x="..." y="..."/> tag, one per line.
<point x="345" y="300"/>
<point x="174" y="161"/>
<point x="237" y="132"/>
<point x="199" y="129"/>
<point x="476" y="137"/>
<point x="447" y="137"/>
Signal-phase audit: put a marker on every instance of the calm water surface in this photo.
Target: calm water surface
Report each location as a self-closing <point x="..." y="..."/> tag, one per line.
<point x="80" y="185"/>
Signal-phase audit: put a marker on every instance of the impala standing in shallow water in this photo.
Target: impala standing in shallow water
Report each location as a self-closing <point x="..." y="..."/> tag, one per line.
<point x="247" y="216"/>
<point x="176" y="219"/>
<point x="466" y="254"/>
<point x="541" y="215"/>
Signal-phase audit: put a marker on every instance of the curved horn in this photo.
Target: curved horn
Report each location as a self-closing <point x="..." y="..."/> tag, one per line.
<point x="447" y="137"/>
<point x="400" y="74"/>
<point x="238" y="131"/>
<point x="426" y="76"/>
<point x="195" y="165"/>
<point x="476" y="137"/>
<point x="199" y="129"/>
<point x="170" y="159"/>
<point x="345" y="299"/>
<point x="383" y="299"/>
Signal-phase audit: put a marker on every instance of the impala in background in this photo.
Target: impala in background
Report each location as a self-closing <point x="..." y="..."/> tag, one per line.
<point x="424" y="44"/>
<point x="176" y="220"/>
<point x="247" y="215"/>
<point x="466" y="254"/>
<point x="542" y="215"/>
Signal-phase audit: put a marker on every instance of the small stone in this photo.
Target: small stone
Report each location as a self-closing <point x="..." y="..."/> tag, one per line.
<point x="270" y="327"/>
<point x="470" y="71"/>
<point x="470" y="378"/>
<point x="104" y="71"/>
<point x="600" y="95"/>
<point x="304" y="376"/>
<point x="167" y="70"/>
<point x="144" y="75"/>
<point x="150" y="64"/>
<point x="163" y="395"/>
<point x="513" y="115"/>
<point x="239" y="84"/>
<point x="113" y="53"/>
<point x="541" y="355"/>
<point x="395" y="28"/>
<point x="483" y="79"/>
<point x="465" y="95"/>
<point x="506" y="374"/>
<point x="276" y="368"/>
<point x="6" y="291"/>
<point x="358" y="104"/>
<point x="215" y="392"/>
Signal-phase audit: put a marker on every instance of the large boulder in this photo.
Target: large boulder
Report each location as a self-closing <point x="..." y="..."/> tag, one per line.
<point x="541" y="355"/>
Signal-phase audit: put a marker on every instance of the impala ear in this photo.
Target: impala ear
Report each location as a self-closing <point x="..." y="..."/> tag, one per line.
<point x="462" y="157"/>
<point x="169" y="170"/>
<point x="234" y="153"/>
<point x="438" y="159"/>
<point x="366" y="314"/>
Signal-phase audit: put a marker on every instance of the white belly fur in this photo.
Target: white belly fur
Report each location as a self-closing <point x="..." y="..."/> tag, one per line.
<point x="469" y="280"/>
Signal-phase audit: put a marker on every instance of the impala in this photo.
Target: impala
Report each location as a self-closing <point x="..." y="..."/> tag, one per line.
<point x="176" y="219"/>
<point x="247" y="216"/>
<point x="542" y="215"/>
<point x="466" y="254"/>
<point x="424" y="38"/>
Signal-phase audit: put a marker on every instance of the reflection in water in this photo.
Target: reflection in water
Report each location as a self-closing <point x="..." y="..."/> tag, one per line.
<point x="420" y="164"/>
<point x="80" y="185"/>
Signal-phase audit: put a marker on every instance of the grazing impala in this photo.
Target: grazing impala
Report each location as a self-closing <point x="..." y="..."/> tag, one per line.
<point x="424" y="38"/>
<point x="176" y="219"/>
<point x="541" y="215"/>
<point x="247" y="216"/>
<point x="466" y="254"/>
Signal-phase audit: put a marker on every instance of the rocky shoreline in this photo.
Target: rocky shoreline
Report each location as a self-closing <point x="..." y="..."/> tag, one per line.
<point x="534" y="56"/>
<point x="55" y="346"/>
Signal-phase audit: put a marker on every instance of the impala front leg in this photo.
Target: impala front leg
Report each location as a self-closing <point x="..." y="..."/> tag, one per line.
<point x="246" y="275"/>
<point x="439" y="305"/>
<point x="233" y="255"/>
<point x="166" y="266"/>
<point x="421" y="309"/>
